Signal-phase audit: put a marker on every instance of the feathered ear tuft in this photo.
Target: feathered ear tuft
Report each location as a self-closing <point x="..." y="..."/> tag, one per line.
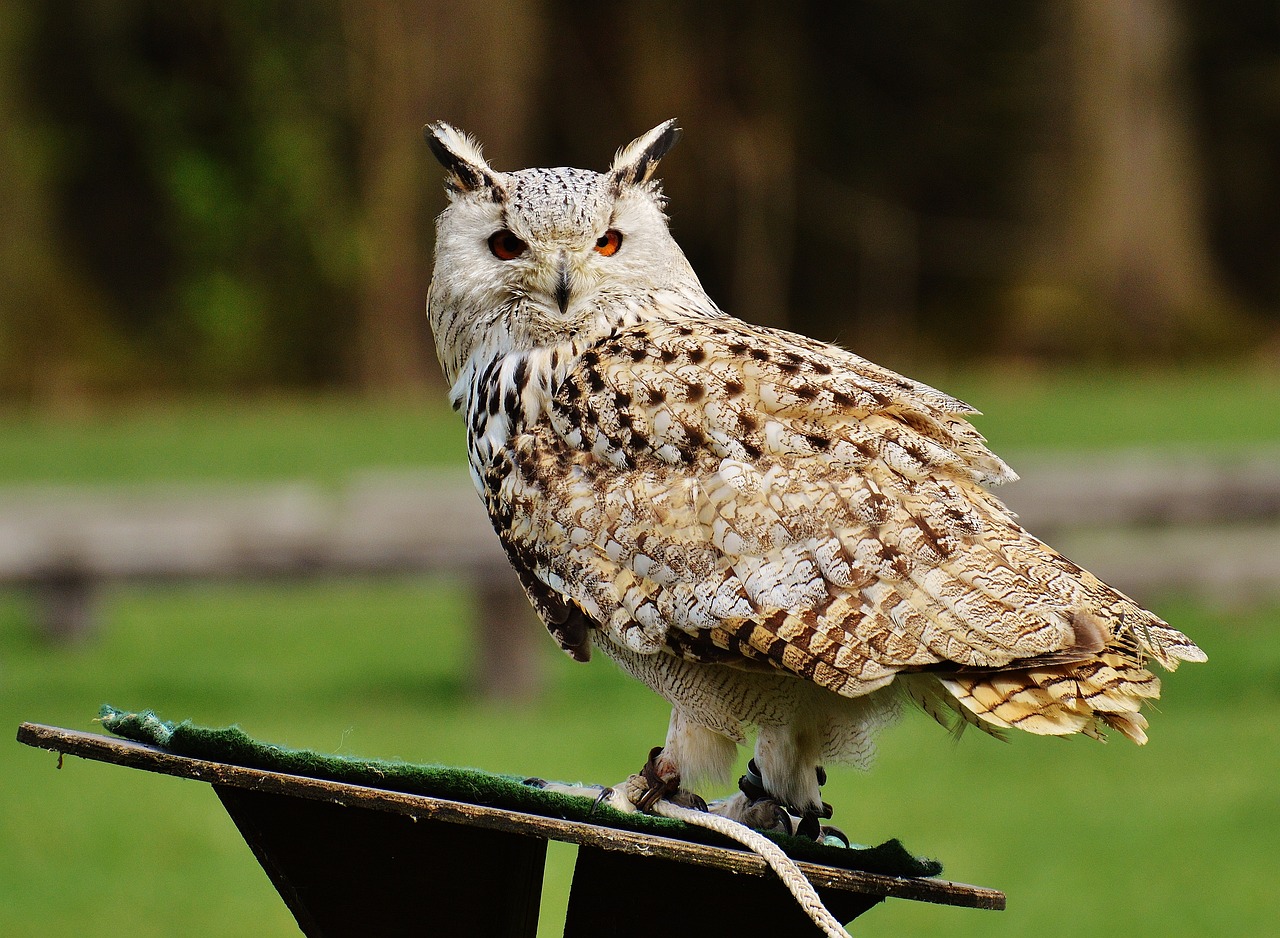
<point x="636" y="162"/>
<point x="459" y="154"/>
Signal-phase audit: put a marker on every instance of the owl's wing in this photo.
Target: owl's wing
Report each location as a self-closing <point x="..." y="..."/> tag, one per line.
<point x="729" y="493"/>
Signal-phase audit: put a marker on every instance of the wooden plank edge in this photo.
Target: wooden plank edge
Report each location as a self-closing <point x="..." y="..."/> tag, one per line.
<point x="425" y="807"/>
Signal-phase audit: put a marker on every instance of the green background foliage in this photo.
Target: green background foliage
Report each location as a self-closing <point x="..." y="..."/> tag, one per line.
<point x="235" y="195"/>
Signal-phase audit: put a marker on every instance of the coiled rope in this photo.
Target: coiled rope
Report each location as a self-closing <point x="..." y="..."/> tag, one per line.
<point x="795" y="881"/>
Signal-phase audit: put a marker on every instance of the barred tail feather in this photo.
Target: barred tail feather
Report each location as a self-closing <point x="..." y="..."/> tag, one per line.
<point x="1106" y="689"/>
<point x="1168" y="646"/>
<point x="1061" y="700"/>
<point x="927" y="693"/>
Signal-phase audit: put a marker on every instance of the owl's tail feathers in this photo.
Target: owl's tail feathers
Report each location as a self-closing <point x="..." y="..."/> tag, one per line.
<point x="928" y="693"/>
<point x="1107" y="690"/>
<point x="1060" y="700"/>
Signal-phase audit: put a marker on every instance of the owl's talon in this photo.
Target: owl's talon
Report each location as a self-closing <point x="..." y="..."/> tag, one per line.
<point x="833" y="836"/>
<point x="656" y="782"/>
<point x="658" y="786"/>
<point x="809" y="826"/>
<point x="758" y="802"/>
<point x="764" y="814"/>
<point x="785" y="820"/>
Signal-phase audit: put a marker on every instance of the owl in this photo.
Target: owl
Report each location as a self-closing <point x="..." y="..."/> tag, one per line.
<point x="779" y="537"/>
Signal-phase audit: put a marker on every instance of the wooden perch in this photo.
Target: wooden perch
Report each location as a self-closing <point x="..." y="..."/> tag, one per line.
<point x="351" y="859"/>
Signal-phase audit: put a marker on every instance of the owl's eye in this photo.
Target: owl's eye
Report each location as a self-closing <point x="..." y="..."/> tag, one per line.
<point x="609" y="242"/>
<point x="506" y="246"/>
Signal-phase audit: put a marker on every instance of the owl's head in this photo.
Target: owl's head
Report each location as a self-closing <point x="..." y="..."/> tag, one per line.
<point x="539" y="256"/>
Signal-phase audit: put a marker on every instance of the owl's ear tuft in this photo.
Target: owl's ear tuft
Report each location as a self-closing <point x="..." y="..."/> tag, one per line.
<point x="636" y="162"/>
<point x="459" y="154"/>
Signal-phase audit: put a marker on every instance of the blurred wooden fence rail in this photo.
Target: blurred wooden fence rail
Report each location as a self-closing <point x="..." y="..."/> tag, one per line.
<point x="1145" y="522"/>
<point x="1200" y="523"/>
<point x="66" y="544"/>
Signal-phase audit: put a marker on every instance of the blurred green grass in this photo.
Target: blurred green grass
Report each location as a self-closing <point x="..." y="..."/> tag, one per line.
<point x="327" y="439"/>
<point x="1177" y="838"/>
<point x="225" y="440"/>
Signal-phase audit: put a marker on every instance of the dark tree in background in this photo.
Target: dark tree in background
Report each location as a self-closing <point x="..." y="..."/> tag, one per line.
<point x="235" y="195"/>
<point x="1233" y="68"/>
<point x="407" y="61"/>
<point x="193" y="167"/>
<point x="1121" y="228"/>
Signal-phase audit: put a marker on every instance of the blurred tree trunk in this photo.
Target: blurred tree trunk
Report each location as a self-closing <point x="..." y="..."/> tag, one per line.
<point x="51" y="333"/>
<point x="1121" y="261"/>
<point x="409" y="67"/>
<point x="724" y="75"/>
<point x="386" y="43"/>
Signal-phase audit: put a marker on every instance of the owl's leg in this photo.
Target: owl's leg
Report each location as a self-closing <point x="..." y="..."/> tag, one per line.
<point x="756" y="806"/>
<point x="692" y="752"/>
<point x="696" y="753"/>
<point x="782" y="787"/>
<point x="787" y="758"/>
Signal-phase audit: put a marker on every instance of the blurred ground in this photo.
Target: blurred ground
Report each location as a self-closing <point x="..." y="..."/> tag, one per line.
<point x="1172" y="839"/>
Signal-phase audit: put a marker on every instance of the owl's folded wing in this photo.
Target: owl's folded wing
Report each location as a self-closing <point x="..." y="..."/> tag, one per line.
<point x="728" y="493"/>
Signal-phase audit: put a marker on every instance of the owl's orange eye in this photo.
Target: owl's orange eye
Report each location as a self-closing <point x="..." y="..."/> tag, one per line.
<point x="609" y="242"/>
<point x="506" y="246"/>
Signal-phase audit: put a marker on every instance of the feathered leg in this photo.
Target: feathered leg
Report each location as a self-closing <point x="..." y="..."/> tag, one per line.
<point x="691" y="753"/>
<point x="781" y="789"/>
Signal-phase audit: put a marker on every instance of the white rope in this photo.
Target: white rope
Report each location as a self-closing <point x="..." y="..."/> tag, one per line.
<point x="795" y="881"/>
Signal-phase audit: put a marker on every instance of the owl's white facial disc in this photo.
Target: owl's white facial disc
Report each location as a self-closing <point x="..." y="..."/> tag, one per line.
<point x="541" y="256"/>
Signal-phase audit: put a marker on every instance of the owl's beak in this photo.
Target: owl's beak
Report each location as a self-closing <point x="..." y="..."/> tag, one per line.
<point x="563" y="283"/>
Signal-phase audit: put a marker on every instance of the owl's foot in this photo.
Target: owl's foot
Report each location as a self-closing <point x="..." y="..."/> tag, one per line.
<point x="764" y="814"/>
<point x="658" y="780"/>
<point x="757" y="807"/>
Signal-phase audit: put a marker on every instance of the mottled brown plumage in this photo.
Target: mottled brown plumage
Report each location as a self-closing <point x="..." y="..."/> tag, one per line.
<point x="770" y="531"/>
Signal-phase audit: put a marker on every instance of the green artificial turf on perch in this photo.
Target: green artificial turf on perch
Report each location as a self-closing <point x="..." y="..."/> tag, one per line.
<point x="233" y="746"/>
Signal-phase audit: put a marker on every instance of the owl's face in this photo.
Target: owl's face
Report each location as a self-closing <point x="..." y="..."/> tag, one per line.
<point x="536" y="257"/>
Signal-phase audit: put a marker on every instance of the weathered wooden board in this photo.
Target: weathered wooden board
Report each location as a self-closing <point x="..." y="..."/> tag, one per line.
<point x="733" y="860"/>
